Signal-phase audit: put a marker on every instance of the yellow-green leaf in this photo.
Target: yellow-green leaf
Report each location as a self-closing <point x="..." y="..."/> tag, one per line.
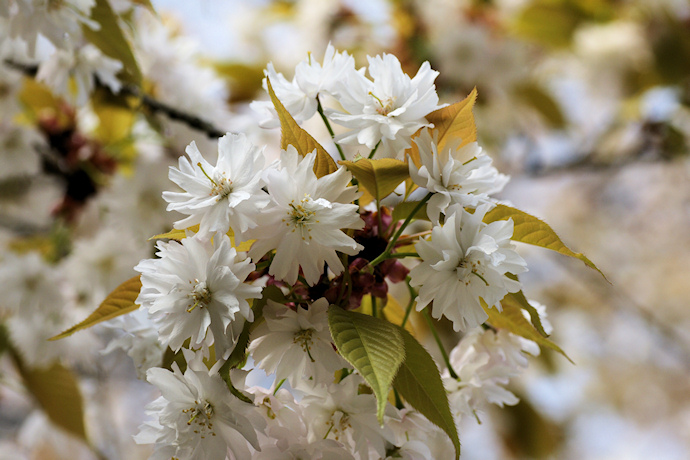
<point x="531" y="230"/>
<point x="512" y="319"/>
<point x="302" y="141"/>
<point x="550" y="24"/>
<point x="455" y="122"/>
<point x="402" y="210"/>
<point x="57" y="392"/>
<point x="419" y="383"/>
<point x="521" y="300"/>
<point x="118" y="302"/>
<point x="373" y="346"/>
<point x="39" y="102"/>
<point x="180" y="234"/>
<point x="392" y="311"/>
<point x="380" y="176"/>
<point x="146" y="4"/>
<point x="110" y="39"/>
<point x="541" y="101"/>
<point x="115" y="117"/>
<point x="244" y="79"/>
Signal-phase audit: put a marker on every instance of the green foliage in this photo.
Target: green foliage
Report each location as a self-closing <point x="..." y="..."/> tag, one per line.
<point x="373" y="346"/>
<point x="110" y="39"/>
<point x="180" y="234"/>
<point x="244" y="79"/>
<point x="380" y="176"/>
<point x="671" y="48"/>
<point x="419" y="382"/>
<point x="118" y="302"/>
<point x="452" y="123"/>
<point x="402" y="210"/>
<point x="520" y="299"/>
<point x="535" y="97"/>
<point x="512" y="319"/>
<point x="293" y="134"/>
<point x="56" y="390"/>
<point x="531" y="230"/>
<point x="239" y="354"/>
<point x="551" y="24"/>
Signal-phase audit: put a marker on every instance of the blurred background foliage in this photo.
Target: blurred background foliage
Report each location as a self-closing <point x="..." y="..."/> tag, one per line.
<point x="586" y="103"/>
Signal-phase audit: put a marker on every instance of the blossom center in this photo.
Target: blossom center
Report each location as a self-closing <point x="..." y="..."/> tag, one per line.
<point x="200" y="295"/>
<point x="200" y="417"/>
<point x="339" y="422"/>
<point x="385" y="106"/>
<point x="52" y="5"/>
<point x="303" y="338"/>
<point x="301" y="216"/>
<point x="222" y="188"/>
<point x="466" y="268"/>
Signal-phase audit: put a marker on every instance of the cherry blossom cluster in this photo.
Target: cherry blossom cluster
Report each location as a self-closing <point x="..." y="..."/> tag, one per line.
<point x="265" y="249"/>
<point x="73" y="56"/>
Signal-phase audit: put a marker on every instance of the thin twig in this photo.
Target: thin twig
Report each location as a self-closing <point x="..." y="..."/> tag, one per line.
<point x="150" y="103"/>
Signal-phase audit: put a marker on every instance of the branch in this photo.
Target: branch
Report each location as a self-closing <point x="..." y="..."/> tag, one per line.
<point x="152" y="104"/>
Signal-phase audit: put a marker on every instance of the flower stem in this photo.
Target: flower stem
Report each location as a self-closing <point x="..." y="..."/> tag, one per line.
<point x="386" y="254"/>
<point x="280" y="384"/>
<point x="432" y="328"/>
<point x="373" y="151"/>
<point x="402" y="255"/>
<point x="408" y="310"/>
<point x="328" y="126"/>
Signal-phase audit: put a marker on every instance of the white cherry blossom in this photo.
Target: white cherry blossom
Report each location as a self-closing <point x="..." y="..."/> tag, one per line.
<point x="338" y="412"/>
<point x="296" y="344"/>
<point x="303" y="222"/>
<point x="312" y="78"/>
<point x="196" y="290"/>
<point x="388" y="109"/>
<point x="455" y="176"/>
<point x="83" y="65"/>
<point x="465" y="261"/>
<point x="227" y="195"/>
<point x="196" y="417"/>
<point x="485" y="362"/>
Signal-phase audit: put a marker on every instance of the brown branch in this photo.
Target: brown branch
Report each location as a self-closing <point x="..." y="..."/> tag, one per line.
<point x="150" y="103"/>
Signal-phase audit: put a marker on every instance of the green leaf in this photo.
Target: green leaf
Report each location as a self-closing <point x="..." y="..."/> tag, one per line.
<point x="380" y="176"/>
<point x="402" y="210"/>
<point x="239" y="354"/>
<point x="146" y="4"/>
<point x="180" y="234"/>
<point x="118" y="302"/>
<point x="110" y="39"/>
<point x="419" y="383"/>
<point x="455" y="122"/>
<point x="57" y="392"/>
<point x="115" y="117"/>
<point x="531" y="230"/>
<point x="373" y="346"/>
<point x="302" y="141"/>
<point x="541" y="101"/>
<point x="243" y="79"/>
<point x="170" y="357"/>
<point x="512" y="319"/>
<point x="551" y="24"/>
<point x="521" y="300"/>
